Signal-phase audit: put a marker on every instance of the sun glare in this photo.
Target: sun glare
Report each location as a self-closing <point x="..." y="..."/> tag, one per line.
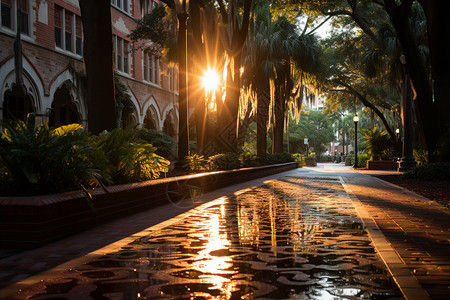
<point x="210" y="80"/>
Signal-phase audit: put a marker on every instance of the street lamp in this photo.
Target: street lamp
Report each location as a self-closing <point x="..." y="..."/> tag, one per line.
<point x="182" y="7"/>
<point x="355" y="120"/>
<point x="407" y="162"/>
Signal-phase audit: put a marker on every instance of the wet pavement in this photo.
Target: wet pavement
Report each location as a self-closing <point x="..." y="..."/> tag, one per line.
<point x="302" y="234"/>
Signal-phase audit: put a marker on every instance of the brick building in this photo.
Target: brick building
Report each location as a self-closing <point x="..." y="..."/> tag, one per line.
<point x="53" y="68"/>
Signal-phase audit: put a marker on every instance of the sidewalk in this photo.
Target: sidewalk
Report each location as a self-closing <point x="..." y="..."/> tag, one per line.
<point x="414" y="227"/>
<point x="410" y="233"/>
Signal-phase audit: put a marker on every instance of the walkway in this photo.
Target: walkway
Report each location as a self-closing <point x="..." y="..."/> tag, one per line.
<point x="295" y="234"/>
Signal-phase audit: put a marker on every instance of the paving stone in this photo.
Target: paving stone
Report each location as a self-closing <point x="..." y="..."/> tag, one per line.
<point x="410" y="233"/>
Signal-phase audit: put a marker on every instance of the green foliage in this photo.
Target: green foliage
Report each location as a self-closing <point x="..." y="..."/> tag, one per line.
<point x="164" y="144"/>
<point x="362" y="159"/>
<point x="316" y="126"/>
<point x="298" y="157"/>
<point x="225" y="161"/>
<point x="38" y="160"/>
<point x="126" y="160"/>
<point x="196" y="162"/>
<point x="276" y="158"/>
<point x="156" y="27"/>
<point x="377" y="143"/>
<point x="249" y="159"/>
<point x="421" y="156"/>
<point x="430" y="171"/>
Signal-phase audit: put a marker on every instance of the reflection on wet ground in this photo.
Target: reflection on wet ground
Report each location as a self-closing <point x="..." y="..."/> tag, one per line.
<point x="295" y="238"/>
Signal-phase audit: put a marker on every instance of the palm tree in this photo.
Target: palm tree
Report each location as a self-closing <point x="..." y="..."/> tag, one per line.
<point x="299" y="53"/>
<point x="259" y="64"/>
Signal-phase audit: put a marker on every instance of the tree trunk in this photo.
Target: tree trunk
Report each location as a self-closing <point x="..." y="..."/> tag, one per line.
<point x="98" y="59"/>
<point x="243" y="127"/>
<point x="278" y="122"/>
<point x="227" y="138"/>
<point x="262" y="118"/>
<point x="438" y="27"/>
<point x="418" y="73"/>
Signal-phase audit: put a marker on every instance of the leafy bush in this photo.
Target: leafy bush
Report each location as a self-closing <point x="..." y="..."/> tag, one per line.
<point x="124" y="159"/>
<point x="430" y="171"/>
<point x="421" y="156"/>
<point x="276" y="158"/>
<point x="377" y="144"/>
<point x="227" y="161"/>
<point x="196" y="162"/>
<point x="38" y="160"/>
<point x="362" y="159"/>
<point x="249" y="159"/>
<point x="163" y="143"/>
<point x="298" y="157"/>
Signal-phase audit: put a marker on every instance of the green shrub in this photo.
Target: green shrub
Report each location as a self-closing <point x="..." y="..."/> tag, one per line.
<point x="377" y="144"/>
<point x="227" y="161"/>
<point x="276" y="158"/>
<point x="421" y="156"/>
<point x="249" y="159"/>
<point x="430" y="171"/>
<point x="298" y="157"/>
<point x="124" y="159"/>
<point x="196" y="162"/>
<point x="163" y="143"/>
<point x="362" y="159"/>
<point x="38" y="160"/>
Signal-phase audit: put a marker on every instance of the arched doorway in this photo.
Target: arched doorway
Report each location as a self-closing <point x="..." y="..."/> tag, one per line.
<point x="170" y="125"/>
<point x="16" y="105"/>
<point x="64" y="110"/>
<point x="151" y="119"/>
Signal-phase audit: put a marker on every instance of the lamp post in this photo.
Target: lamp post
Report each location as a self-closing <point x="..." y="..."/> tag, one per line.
<point x="407" y="162"/>
<point x="355" y="120"/>
<point x="182" y="7"/>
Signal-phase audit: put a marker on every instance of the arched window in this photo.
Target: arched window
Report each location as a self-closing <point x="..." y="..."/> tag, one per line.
<point x="151" y="119"/>
<point x="170" y="125"/>
<point x="16" y="106"/>
<point x="64" y="110"/>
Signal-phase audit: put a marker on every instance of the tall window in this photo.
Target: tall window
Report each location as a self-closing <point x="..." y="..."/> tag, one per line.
<point x="149" y="67"/>
<point x="9" y="15"/>
<point x="121" y="4"/>
<point x="147" y="6"/>
<point x="68" y="30"/>
<point x="121" y="54"/>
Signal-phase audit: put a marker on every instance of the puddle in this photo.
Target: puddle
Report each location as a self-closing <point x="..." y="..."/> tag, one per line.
<point x="295" y="238"/>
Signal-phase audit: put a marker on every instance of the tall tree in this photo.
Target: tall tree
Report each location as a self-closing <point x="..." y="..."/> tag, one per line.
<point x="259" y="61"/>
<point x="98" y="59"/>
<point x="234" y="30"/>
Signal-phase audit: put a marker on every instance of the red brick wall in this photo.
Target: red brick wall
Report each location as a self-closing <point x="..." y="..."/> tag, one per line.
<point x="49" y="62"/>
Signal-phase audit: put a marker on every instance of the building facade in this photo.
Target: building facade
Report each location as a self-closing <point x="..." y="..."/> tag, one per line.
<point x="53" y="68"/>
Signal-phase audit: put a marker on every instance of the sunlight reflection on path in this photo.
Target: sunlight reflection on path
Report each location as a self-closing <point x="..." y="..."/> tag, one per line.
<point x="293" y="238"/>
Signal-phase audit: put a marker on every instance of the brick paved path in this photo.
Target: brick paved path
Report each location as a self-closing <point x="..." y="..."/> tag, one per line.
<point x="410" y="233"/>
<point x="417" y="228"/>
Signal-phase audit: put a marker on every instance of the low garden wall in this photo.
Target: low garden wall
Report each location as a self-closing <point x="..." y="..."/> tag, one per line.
<point x="30" y="222"/>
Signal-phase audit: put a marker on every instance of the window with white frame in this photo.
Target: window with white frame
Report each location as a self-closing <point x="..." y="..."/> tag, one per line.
<point x="147" y="6"/>
<point x="68" y="30"/>
<point x="149" y="67"/>
<point x="8" y="15"/>
<point x="122" y="5"/>
<point x="121" y="54"/>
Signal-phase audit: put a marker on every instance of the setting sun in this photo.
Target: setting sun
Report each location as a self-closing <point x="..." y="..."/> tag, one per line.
<point x="210" y="80"/>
